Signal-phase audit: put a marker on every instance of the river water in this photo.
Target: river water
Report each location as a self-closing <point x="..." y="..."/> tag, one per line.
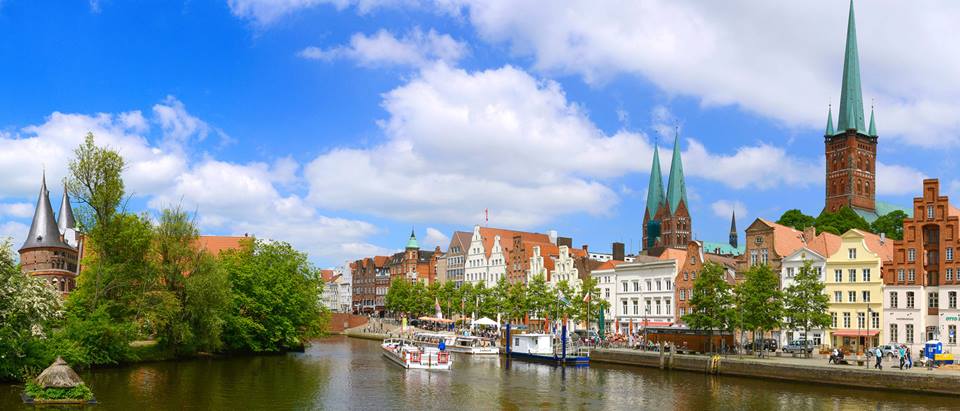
<point x="340" y="373"/>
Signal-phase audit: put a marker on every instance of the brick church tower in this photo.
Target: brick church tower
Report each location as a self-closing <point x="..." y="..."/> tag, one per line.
<point x="666" y="220"/>
<point x="51" y="249"/>
<point x="851" y="149"/>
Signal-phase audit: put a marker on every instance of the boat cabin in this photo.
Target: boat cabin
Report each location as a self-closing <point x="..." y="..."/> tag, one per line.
<point x="532" y="344"/>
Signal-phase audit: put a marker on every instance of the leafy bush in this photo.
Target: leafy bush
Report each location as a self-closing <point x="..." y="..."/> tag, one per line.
<point x="80" y="392"/>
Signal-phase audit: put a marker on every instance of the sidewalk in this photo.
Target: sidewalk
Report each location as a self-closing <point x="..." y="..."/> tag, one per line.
<point x="819" y="360"/>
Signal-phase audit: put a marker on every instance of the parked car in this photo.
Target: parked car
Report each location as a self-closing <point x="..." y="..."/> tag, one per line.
<point x="799" y="346"/>
<point x="890" y="350"/>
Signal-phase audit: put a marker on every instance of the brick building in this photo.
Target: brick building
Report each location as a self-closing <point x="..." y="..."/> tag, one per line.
<point x="920" y="284"/>
<point x="690" y="268"/>
<point x="666" y="219"/>
<point x="413" y="264"/>
<point x="371" y="279"/>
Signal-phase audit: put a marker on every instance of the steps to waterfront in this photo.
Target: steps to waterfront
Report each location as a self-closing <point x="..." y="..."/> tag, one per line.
<point x="798" y="370"/>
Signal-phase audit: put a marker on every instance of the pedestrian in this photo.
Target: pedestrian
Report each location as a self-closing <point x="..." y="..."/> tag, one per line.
<point x="903" y="353"/>
<point x="879" y="354"/>
<point x="909" y="359"/>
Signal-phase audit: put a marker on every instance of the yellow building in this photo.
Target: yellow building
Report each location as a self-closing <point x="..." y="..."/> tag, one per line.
<point x="854" y="284"/>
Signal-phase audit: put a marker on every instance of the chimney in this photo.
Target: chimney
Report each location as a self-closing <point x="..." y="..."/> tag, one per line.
<point x="809" y="234"/>
<point x="553" y="236"/>
<point x="883" y="238"/>
<point x="567" y="241"/>
<point x="586" y="249"/>
<point x="618" y="251"/>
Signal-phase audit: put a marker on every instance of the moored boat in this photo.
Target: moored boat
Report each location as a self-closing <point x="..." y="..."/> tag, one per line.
<point x="409" y="355"/>
<point x="474" y="345"/>
<point x="433" y="339"/>
<point x="541" y="348"/>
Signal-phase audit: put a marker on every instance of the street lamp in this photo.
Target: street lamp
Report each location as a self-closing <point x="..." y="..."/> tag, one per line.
<point x="867" y="338"/>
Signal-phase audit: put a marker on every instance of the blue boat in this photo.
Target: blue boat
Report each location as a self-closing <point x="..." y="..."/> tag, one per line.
<point x="540" y="348"/>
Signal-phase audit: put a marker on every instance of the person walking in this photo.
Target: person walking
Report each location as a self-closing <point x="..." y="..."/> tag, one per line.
<point x="879" y="354"/>
<point x="909" y="359"/>
<point x="903" y="354"/>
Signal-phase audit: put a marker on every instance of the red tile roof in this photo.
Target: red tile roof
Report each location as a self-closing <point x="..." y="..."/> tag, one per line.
<point x="786" y="240"/>
<point x="883" y="249"/>
<point x="608" y="265"/>
<point x="215" y="245"/>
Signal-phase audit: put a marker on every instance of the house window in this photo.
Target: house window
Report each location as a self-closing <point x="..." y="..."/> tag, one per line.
<point x="908" y="330"/>
<point x="852" y="253"/>
<point x="846" y="320"/>
<point x="624" y="283"/>
<point x="624" y="302"/>
<point x="929" y="212"/>
<point x="686" y="276"/>
<point x="866" y="275"/>
<point x="647" y="307"/>
<point x="952" y="299"/>
<point x="758" y="240"/>
<point x="900" y="275"/>
<point x="949" y="274"/>
<point x="861" y="320"/>
<point x="753" y="257"/>
<point x="933" y="300"/>
<point x="636" y="286"/>
<point x="606" y="293"/>
<point x="853" y="275"/>
<point x="649" y="286"/>
<point x="838" y="276"/>
<point x="866" y="296"/>
<point x="875" y="320"/>
<point x="636" y="307"/>
<point x="911" y="275"/>
<point x="910" y="299"/>
<point x="893" y="333"/>
<point x="763" y="255"/>
<point x="949" y="253"/>
<point x="893" y="301"/>
<point x="837" y="297"/>
<point x="852" y="297"/>
<point x="683" y="295"/>
<point x="669" y="284"/>
<point x="683" y="311"/>
<point x="833" y="320"/>
<point x="789" y="272"/>
<point x="658" y="307"/>
<point x="666" y="305"/>
<point x="911" y="255"/>
<point x="952" y="334"/>
<point x="658" y="285"/>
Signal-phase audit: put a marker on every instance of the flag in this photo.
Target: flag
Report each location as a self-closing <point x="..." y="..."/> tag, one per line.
<point x="437" y="307"/>
<point x="563" y="299"/>
<point x="486" y="215"/>
<point x="586" y="298"/>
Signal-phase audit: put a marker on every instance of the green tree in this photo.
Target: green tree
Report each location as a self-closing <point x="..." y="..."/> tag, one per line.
<point x="276" y="297"/>
<point x="538" y="298"/>
<point x="841" y="221"/>
<point x="29" y="307"/>
<point x="517" y="304"/>
<point x="762" y="300"/>
<point x="891" y="224"/>
<point x="95" y="180"/>
<point x="589" y="308"/>
<point x="796" y="219"/>
<point x="398" y="298"/>
<point x="711" y="302"/>
<point x="805" y="303"/>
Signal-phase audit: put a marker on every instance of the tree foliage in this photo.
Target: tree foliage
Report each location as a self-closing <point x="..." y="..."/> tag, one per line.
<point x="890" y="224"/>
<point x="796" y="219"/>
<point x="841" y="221"/>
<point x="761" y="299"/>
<point x="805" y="303"/>
<point x="711" y="302"/>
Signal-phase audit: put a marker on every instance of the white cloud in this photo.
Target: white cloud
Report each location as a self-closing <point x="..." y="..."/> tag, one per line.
<point x="725" y="208"/>
<point x="762" y="167"/>
<point x="19" y="210"/>
<point x="435" y="238"/>
<point x="415" y="49"/>
<point x="266" y="12"/>
<point x="712" y="54"/>
<point x="15" y="232"/>
<point x="898" y="180"/>
<point x="233" y="198"/>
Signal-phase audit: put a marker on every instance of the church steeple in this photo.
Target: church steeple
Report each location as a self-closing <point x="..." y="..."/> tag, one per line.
<point x="412" y="242"/>
<point x="851" y="101"/>
<point x="829" y="131"/>
<point x="65" y="220"/>
<point x="873" y="126"/>
<point x="655" y="187"/>
<point x="733" y="229"/>
<point x="676" y="188"/>
<point x="43" y="229"/>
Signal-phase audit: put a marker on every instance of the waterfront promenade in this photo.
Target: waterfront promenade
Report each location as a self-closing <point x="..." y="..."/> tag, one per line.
<point x="789" y="368"/>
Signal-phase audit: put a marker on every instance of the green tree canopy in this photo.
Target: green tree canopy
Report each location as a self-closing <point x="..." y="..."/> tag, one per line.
<point x="711" y="302"/>
<point x="761" y="299"/>
<point x="841" y="221"/>
<point x="796" y="219"/>
<point x="891" y="224"/>
<point x="805" y="303"/>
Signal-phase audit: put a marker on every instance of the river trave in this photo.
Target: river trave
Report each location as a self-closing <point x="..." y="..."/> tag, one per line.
<point x="341" y="373"/>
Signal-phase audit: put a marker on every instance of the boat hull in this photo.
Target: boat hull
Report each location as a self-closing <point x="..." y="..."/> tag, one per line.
<point x="474" y="350"/>
<point x="430" y="363"/>
<point x="572" y="361"/>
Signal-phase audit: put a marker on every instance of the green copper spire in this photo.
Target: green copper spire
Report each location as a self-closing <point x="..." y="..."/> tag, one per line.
<point x="655" y="187"/>
<point x="851" y="101"/>
<point x="829" y="131"/>
<point x="873" y="126"/>
<point x="413" y="241"/>
<point x="676" y="188"/>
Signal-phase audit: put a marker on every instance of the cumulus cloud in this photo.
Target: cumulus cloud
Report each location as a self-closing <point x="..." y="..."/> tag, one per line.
<point x="229" y="197"/>
<point x="416" y="48"/>
<point x="898" y="180"/>
<point x="725" y="208"/>
<point x="435" y="238"/>
<point x="13" y="231"/>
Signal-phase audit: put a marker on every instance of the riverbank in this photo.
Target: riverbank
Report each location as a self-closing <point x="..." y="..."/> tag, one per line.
<point x="917" y="380"/>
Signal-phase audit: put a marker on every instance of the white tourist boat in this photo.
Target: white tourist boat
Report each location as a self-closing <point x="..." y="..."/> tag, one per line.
<point x="474" y="345"/>
<point x="408" y="355"/>
<point x="433" y="339"/>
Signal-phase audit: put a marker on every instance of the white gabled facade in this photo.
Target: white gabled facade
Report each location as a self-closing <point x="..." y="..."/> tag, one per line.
<point x="565" y="269"/>
<point x="606" y="279"/>
<point x="479" y="267"/>
<point x="790" y="267"/>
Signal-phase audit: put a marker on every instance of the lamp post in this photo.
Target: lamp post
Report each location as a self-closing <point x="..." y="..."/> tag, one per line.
<point x="867" y="338"/>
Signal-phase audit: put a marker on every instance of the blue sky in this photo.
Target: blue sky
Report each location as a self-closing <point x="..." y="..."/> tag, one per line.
<point x="339" y="125"/>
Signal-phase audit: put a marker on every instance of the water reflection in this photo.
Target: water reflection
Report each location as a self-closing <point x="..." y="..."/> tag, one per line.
<point x="340" y="373"/>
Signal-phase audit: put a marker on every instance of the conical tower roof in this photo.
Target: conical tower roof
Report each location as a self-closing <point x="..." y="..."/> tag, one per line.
<point x="412" y="243"/>
<point x="873" y="126"/>
<point x="851" y="101"/>
<point x="65" y="218"/>
<point x="829" y="131"/>
<point x="733" y="222"/>
<point x="43" y="230"/>
<point x="655" y="186"/>
<point x="676" y="187"/>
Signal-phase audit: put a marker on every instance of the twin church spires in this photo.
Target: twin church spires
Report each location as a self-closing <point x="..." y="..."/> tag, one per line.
<point x="666" y="221"/>
<point x="51" y="250"/>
